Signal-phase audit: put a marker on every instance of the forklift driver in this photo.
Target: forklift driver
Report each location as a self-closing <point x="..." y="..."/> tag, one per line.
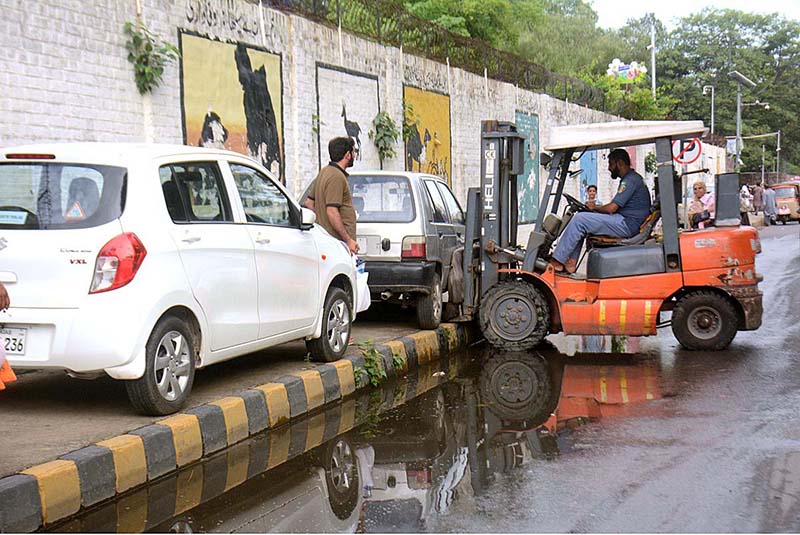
<point x="620" y="218"/>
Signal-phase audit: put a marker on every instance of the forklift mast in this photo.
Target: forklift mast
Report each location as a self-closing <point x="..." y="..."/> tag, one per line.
<point x="492" y="208"/>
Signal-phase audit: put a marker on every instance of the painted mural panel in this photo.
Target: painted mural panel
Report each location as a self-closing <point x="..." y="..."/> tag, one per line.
<point x="347" y="102"/>
<point x="528" y="182"/>
<point x="428" y="150"/>
<point x="232" y="98"/>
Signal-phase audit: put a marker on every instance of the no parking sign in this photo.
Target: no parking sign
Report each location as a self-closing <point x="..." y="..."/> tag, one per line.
<point x="686" y="151"/>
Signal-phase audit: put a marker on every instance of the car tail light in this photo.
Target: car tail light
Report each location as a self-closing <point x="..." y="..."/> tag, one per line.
<point x="418" y="479"/>
<point x="413" y="247"/>
<point x="117" y="263"/>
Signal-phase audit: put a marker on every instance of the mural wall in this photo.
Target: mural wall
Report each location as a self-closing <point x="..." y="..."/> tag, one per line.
<point x="232" y="98"/>
<point x="528" y="182"/>
<point x="347" y="102"/>
<point x="428" y="150"/>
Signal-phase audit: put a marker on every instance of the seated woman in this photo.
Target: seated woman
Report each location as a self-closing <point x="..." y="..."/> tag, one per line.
<point x="701" y="207"/>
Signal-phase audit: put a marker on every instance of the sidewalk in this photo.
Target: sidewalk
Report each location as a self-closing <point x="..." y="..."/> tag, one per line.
<point x="242" y="398"/>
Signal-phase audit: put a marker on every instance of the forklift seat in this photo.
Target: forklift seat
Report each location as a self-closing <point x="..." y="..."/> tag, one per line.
<point x="645" y="230"/>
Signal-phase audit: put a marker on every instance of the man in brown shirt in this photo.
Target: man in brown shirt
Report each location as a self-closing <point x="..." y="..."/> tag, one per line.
<point x="330" y="196"/>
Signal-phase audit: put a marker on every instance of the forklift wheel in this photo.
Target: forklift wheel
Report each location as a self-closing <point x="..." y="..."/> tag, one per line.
<point x="704" y="321"/>
<point x="514" y="316"/>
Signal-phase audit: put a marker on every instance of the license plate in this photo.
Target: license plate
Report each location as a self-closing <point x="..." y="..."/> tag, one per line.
<point x="13" y="340"/>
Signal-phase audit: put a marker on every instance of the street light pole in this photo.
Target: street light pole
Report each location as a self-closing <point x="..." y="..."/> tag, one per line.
<point x="778" y="157"/>
<point x="763" y="148"/>
<point x="740" y="79"/>
<point x="653" y="54"/>
<point x="705" y="90"/>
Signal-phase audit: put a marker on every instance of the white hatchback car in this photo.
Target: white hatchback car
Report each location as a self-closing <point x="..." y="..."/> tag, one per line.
<point x="146" y="262"/>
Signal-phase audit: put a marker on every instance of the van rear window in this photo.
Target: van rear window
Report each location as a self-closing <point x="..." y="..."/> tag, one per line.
<point x="382" y="199"/>
<point x="48" y="196"/>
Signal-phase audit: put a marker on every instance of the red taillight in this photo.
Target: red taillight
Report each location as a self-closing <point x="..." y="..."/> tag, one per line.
<point x="117" y="263"/>
<point x="20" y="156"/>
<point x="413" y="247"/>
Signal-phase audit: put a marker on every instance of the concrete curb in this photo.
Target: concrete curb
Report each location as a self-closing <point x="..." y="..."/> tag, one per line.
<point x="46" y="493"/>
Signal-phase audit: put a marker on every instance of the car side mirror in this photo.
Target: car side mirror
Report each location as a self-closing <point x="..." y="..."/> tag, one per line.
<point x="308" y="218"/>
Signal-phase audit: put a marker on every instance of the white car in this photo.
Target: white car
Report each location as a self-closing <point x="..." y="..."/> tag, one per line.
<point x="147" y="261"/>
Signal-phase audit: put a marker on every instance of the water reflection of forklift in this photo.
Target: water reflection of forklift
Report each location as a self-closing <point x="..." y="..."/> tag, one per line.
<point x="706" y="278"/>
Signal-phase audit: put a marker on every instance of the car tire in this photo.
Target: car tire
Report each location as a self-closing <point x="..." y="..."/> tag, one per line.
<point x="337" y="322"/>
<point x="514" y="316"/>
<point x="429" y="307"/>
<point x="338" y="459"/>
<point x="169" y="370"/>
<point x="704" y="321"/>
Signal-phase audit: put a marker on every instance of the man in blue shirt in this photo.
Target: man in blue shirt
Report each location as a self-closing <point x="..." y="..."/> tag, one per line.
<point x="621" y="218"/>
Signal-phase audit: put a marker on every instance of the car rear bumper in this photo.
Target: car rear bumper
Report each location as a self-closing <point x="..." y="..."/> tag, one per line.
<point x="400" y="276"/>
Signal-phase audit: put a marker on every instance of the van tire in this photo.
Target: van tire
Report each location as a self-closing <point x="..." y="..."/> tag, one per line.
<point x="429" y="307"/>
<point x="704" y="321"/>
<point x="170" y="351"/>
<point x="337" y="327"/>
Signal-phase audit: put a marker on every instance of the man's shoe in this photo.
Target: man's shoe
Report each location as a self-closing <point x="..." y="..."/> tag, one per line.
<point x="571" y="266"/>
<point x="558" y="267"/>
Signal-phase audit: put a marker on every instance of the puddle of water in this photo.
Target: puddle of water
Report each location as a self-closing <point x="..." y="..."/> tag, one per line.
<point x="395" y="458"/>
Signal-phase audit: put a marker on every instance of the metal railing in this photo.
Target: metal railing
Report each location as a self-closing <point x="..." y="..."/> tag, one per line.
<point x="389" y="23"/>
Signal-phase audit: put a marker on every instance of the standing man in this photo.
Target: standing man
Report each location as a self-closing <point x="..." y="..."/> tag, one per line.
<point x="330" y="194"/>
<point x="770" y="207"/>
<point x="758" y="193"/>
<point x="621" y="218"/>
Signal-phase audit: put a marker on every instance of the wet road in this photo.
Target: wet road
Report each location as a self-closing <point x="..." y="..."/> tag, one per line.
<point x="590" y="434"/>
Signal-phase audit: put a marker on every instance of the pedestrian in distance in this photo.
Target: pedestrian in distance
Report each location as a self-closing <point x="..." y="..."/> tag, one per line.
<point x="701" y="207"/>
<point x="758" y="198"/>
<point x="592" y="201"/>
<point x="330" y="196"/>
<point x="620" y="218"/>
<point x="745" y="204"/>
<point x="6" y="373"/>
<point x="770" y="207"/>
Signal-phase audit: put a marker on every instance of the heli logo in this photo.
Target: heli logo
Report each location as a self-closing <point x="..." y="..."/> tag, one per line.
<point x="489" y="156"/>
<point x="77" y="261"/>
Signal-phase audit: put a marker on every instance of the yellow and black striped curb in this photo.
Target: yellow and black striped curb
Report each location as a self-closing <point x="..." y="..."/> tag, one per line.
<point x="48" y="492"/>
<point x="147" y="507"/>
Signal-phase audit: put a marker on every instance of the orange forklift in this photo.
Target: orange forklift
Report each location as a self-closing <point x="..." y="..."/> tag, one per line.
<point x="705" y="278"/>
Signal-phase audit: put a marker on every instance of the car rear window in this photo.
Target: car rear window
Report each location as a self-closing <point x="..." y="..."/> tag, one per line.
<point x="48" y="196"/>
<point x="382" y="199"/>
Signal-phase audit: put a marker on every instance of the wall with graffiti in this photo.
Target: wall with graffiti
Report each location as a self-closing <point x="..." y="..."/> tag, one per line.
<point x="528" y="182"/>
<point x="428" y="149"/>
<point x="232" y="98"/>
<point x="347" y="102"/>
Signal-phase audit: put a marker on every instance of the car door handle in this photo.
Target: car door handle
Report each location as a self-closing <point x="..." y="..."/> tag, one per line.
<point x="262" y="241"/>
<point x="191" y="239"/>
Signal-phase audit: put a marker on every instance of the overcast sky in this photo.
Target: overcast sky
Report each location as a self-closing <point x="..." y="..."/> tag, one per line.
<point x="614" y="13"/>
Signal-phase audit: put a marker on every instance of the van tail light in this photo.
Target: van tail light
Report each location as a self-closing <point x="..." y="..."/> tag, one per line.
<point x="413" y="247"/>
<point x="117" y="263"/>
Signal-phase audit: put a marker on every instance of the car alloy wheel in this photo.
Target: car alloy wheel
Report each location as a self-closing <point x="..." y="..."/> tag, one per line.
<point x="338" y="325"/>
<point x="172" y="366"/>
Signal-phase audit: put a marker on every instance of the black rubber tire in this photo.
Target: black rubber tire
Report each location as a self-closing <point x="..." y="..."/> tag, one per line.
<point x="143" y="392"/>
<point x="704" y="321"/>
<point x="529" y="308"/>
<point x="342" y="497"/>
<point x="321" y="348"/>
<point x="430" y="306"/>
<point x="518" y="386"/>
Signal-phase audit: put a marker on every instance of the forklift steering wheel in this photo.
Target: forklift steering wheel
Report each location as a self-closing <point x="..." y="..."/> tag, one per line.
<point x="575" y="204"/>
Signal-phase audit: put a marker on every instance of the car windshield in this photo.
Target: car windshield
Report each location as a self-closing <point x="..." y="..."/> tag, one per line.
<point x="382" y="198"/>
<point x="60" y="196"/>
<point x="784" y="193"/>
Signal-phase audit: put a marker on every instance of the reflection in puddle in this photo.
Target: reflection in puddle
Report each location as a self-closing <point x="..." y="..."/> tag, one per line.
<point x="398" y="458"/>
